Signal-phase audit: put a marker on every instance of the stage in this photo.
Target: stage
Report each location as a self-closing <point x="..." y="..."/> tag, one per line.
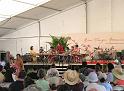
<point x="63" y="66"/>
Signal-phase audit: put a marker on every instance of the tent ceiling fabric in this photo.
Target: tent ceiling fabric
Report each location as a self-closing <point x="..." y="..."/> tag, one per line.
<point x="35" y="14"/>
<point x="61" y="4"/>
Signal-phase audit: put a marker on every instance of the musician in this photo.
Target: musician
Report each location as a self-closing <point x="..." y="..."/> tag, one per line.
<point x="41" y="54"/>
<point x="52" y="50"/>
<point x="68" y="56"/>
<point x="75" y="53"/>
<point x="72" y="50"/>
<point x="76" y="49"/>
<point x="51" y="56"/>
<point x="33" y="54"/>
<point x="41" y="50"/>
<point x="60" y="49"/>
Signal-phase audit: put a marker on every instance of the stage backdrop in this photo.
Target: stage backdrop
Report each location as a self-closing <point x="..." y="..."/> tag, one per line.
<point x="104" y="40"/>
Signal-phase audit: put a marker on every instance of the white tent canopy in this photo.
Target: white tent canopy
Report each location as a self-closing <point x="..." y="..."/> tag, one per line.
<point x="53" y="6"/>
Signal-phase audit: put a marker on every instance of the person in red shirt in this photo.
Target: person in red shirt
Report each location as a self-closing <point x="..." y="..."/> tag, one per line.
<point x="77" y="49"/>
<point x="60" y="48"/>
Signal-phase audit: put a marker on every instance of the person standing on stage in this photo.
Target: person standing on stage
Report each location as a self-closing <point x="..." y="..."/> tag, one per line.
<point x="33" y="54"/>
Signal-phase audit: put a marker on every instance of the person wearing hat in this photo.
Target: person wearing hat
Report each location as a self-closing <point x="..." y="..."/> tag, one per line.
<point x="71" y="78"/>
<point x="93" y="83"/>
<point x="118" y="74"/>
<point x="103" y="80"/>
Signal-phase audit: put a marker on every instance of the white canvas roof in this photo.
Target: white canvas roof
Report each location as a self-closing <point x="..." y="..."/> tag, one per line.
<point x="35" y="14"/>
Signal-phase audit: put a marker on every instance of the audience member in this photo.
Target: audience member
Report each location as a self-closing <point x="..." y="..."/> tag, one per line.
<point x="16" y="86"/>
<point x="109" y="74"/>
<point x="54" y="79"/>
<point x="30" y="85"/>
<point x="93" y="83"/>
<point x="98" y="69"/>
<point x="64" y="88"/>
<point x="104" y="83"/>
<point x="71" y="78"/>
<point x="8" y="73"/>
<point x="85" y="70"/>
<point x="52" y="69"/>
<point x="2" y="78"/>
<point x="118" y="75"/>
<point x="4" y="89"/>
<point x="41" y="82"/>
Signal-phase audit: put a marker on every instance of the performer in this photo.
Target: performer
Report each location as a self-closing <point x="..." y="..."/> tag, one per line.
<point x="60" y="49"/>
<point x="33" y="54"/>
<point x="52" y="50"/>
<point x="72" y="50"/>
<point x="41" y="50"/>
<point x="76" y="49"/>
<point x="76" y="53"/>
<point x="51" y="54"/>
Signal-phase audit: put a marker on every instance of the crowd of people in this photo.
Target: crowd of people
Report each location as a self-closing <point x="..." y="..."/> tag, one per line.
<point x="76" y="79"/>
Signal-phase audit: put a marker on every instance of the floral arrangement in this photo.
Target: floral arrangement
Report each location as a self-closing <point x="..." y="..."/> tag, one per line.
<point x="59" y="40"/>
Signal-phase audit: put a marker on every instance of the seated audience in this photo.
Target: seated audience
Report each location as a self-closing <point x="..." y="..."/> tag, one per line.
<point x="53" y="68"/>
<point x="104" y="83"/>
<point x="109" y="74"/>
<point x="2" y="78"/>
<point x="63" y="88"/>
<point x="72" y="80"/>
<point x="118" y="74"/>
<point x="30" y="85"/>
<point x="4" y="89"/>
<point x="21" y="76"/>
<point x="41" y="82"/>
<point x="28" y="81"/>
<point x="8" y="73"/>
<point x="93" y="83"/>
<point x="85" y="70"/>
<point x="16" y="86"/>
<point x="54" y="79"/>
<point x="98" y="69"/>
<point x="32" y="74"/>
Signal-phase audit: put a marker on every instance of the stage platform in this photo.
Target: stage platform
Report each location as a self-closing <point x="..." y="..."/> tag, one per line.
<point x="63" y="66"/>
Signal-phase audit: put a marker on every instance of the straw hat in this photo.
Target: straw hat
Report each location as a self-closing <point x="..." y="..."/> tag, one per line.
<point x="118" y="72"/>
<point x="71" y="77"/>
